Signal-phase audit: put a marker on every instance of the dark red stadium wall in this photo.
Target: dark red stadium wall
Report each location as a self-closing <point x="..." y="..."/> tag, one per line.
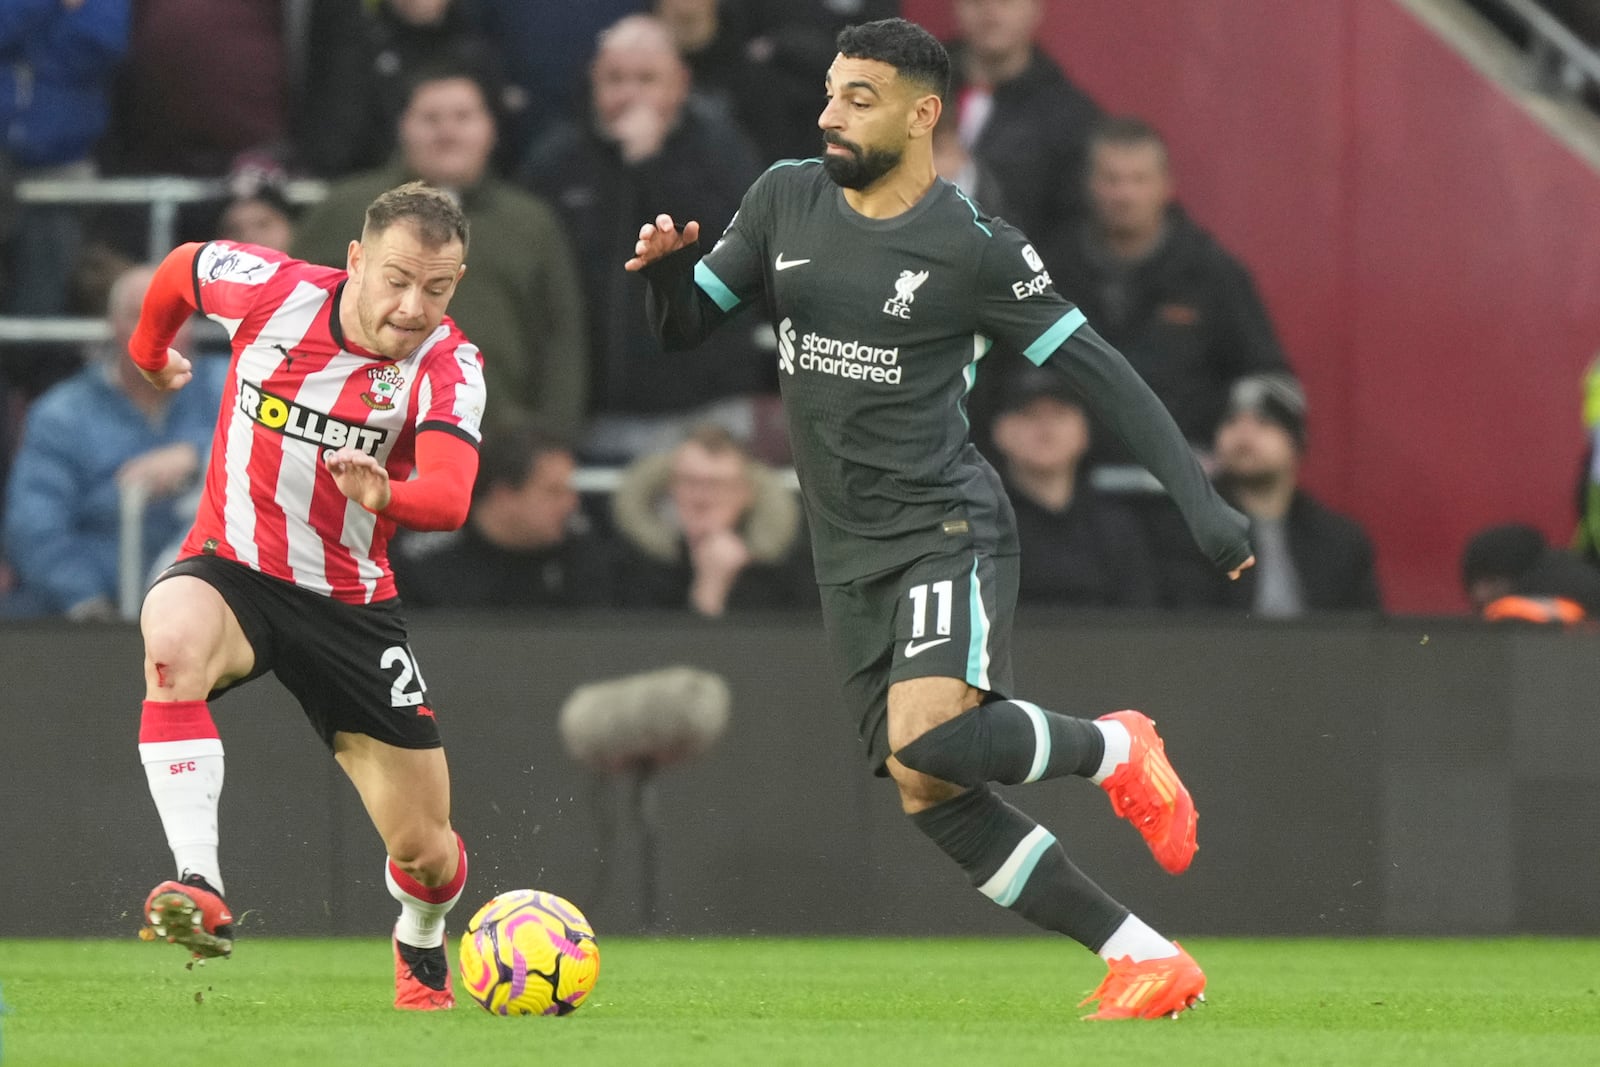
<point x="1427" y="249"/>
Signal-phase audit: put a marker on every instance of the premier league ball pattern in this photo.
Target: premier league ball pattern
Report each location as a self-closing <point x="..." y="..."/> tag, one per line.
<point x="529" y="953"/>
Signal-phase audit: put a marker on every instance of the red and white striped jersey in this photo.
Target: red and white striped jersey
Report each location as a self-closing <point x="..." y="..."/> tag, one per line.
<point x="295" y="391"/>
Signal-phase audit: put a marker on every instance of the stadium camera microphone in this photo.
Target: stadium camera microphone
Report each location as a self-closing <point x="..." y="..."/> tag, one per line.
<point x="645" y="720"/>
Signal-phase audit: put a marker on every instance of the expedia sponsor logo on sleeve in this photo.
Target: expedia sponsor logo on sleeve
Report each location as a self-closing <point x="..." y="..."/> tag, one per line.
<point x="1036" y="285"/>
<point x="303" y="424"/>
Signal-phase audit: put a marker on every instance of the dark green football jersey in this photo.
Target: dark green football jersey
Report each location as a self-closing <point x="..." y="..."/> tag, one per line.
<point x="881" y="325"/>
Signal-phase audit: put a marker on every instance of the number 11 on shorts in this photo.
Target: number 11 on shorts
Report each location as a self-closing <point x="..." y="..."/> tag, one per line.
<point x="943" y="594"/>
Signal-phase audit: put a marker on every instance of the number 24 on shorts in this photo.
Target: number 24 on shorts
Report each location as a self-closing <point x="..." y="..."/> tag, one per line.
<point x="399" y="695"/>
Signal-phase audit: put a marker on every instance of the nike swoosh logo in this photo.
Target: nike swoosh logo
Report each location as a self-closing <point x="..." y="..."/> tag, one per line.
<point x="914" y="649"/>
<point x="785" y="264"/>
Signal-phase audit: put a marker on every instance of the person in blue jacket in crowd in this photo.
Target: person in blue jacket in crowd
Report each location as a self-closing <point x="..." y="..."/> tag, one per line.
<point x="58" y="60"/>
<point x="87" y="440"/>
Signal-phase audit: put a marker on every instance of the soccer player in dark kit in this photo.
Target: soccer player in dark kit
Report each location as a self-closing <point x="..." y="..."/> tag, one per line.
<point x="887" y="286"/>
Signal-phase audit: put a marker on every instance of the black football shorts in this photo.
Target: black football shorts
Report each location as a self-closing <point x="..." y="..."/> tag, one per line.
<point x="349" y="665"/>
<point x="947" y="615"/>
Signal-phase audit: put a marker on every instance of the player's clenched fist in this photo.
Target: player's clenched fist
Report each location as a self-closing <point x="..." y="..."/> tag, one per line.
<point x="173" y="376"/>
<point x="661" y="238"/>
<point x="359" y="477"/>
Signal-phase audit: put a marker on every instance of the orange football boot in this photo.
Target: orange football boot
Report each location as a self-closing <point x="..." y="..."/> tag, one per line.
<point x="189" y="912"/>
<point x="421" y="978"/>
<point x="1148" y="793"/>
<point x="1148" y="990"/>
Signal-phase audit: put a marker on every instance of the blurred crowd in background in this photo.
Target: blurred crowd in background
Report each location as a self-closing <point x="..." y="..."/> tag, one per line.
<point x="561" y="127"/>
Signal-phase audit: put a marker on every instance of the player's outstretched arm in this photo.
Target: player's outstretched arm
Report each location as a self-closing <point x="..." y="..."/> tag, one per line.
<point x="167" y="305"/>
<point x="1132" y="411"/>
<point x="681" y="313"/>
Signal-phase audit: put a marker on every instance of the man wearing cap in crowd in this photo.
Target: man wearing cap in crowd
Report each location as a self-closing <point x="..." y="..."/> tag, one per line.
<point x="1308" y="558"/>
<point x="1510" y="573"/>
<point x="1079" y="546"/>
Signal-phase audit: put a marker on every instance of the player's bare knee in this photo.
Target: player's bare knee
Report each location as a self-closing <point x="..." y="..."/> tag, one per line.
<point x="177" y="659"/>
<point x="917" y="705"/>
<point x="424" y="854"/>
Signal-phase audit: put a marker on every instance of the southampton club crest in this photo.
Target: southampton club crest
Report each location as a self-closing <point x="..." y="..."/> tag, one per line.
<point x="905" y="291"/>
<point x="386" y="382"/>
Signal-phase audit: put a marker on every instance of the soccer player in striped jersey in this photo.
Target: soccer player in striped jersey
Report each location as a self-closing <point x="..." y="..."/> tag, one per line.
<point x="887" y="286"/>
<point x="352" y="406"/>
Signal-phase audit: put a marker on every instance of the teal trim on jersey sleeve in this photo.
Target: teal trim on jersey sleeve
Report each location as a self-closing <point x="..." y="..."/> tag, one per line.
<point x="977" y="216"/>
<point x="1052" y="338"/>
<point x="714" y="287"/>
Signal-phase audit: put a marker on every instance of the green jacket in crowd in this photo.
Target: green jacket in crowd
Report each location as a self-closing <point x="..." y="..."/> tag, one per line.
<point x="519" y="303"/>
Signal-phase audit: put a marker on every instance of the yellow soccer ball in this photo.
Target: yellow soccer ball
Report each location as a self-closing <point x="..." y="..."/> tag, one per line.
<point x="528" y="952"/>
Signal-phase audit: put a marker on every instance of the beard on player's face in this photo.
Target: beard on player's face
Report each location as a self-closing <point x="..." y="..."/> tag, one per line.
<point x="385" y="342"/>
<point x="861" y="167"/>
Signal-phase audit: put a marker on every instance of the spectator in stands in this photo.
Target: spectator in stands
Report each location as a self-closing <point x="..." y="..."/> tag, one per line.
<point x="1019" y="115"/>
<point x="58" y="59"/>
<point x="357" y="81"/>
<point x="965" y="171"/>
<point x="1308" y="558"/>
<point x="525" y="544"/>
<point x="86" y="441"/>
<point x="709" y="528"/>
<point x="1511" y="573"/>
<point x="759" y="59"/>
<point x="725" y="79"/>
<point x="205" y="81"/>
<point x="546" y="45"/>
<point x="640" y="151"/>
<point x="1079" y="546"/>
<point x="520" y="299"/>
<point x="257" y="212"/>
<point x="1159" y="288"/>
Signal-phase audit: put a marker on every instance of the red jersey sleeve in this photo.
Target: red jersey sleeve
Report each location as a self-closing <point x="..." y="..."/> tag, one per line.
<point x="229" y="278"/>
<point x="167" y="304"/>
<point x="451" y="395"/>
<point x="439" y="497"/>
<point x="448" y="414"/>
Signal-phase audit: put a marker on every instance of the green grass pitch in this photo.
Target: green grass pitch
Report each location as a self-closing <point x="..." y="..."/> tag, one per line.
<point x="888" y="1003"/>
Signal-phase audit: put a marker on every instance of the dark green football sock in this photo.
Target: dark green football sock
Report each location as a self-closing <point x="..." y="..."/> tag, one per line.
<point x="1018" y="864"/>
<point x="1008" y="741"/>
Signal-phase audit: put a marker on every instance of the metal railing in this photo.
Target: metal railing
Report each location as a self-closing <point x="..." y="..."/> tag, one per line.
<point x="133" y="575"/>
<point x="163" y="195"/>
<point x="1560" y="63"/>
